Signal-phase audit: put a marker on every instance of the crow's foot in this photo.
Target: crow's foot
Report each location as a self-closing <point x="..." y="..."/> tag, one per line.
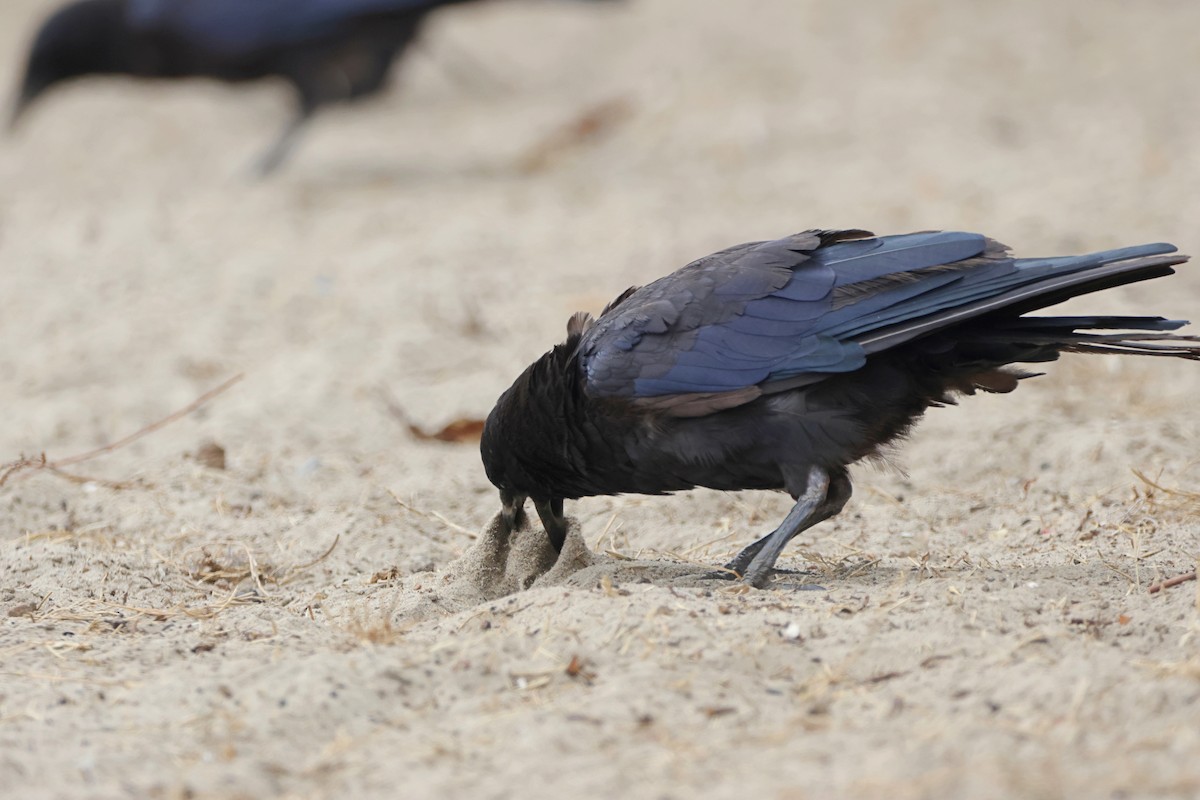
<point x="769" y="580"/>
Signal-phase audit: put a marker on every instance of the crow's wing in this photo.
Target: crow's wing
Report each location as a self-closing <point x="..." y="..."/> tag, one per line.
<point x="795" y="310"/>
<point x="236" y="27"/>
<point x="755" y="312"/>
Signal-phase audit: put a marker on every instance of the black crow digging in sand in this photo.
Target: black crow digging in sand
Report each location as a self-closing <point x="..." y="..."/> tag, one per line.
<point x="330" y="51"/>
<point x="775" y="365"/>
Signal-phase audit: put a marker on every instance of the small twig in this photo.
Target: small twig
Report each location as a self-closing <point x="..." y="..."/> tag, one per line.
<point x="603" y="533"/>
<point x="84" y="479"/>
<point x="20" y="464"/>
<point x="299" y="568"/>
<point x="55" y="467"/>
<point x="433" y="515"/>
<point x="254" y="573"/>
<point x="152" y="427"/>
<point x="1166" y="489"/>
<point x="710" y="542"/>
<point x="1167" y="584"/>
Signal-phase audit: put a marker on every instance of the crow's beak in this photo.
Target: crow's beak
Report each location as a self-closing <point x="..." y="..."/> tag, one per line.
<point x="512" y="510"/>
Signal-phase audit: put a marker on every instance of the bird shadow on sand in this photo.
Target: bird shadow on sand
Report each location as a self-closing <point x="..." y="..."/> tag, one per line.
<point x="502" y="563"/>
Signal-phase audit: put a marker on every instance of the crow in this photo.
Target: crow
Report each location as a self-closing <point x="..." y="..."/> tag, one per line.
<point x="330" y="51"/>
<point x="775" y="365"/>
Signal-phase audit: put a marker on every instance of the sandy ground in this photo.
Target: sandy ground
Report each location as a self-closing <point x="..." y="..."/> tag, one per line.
<point x="171" y="629"/>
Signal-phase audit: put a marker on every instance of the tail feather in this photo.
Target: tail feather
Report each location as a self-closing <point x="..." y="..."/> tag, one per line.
<point x="1097" y="323"/>
<point x="1106" y="276"/>
<point x="1047" y="281"/>
<point x="1146" y="336"/>
<point x="1137" y="349"/>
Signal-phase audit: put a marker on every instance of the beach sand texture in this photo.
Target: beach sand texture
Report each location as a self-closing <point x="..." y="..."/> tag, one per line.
<point x="320" y="618"/>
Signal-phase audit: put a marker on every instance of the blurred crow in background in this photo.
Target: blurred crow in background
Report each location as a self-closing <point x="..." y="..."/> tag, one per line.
<point x="775" y="365"/>
<point x="330" y="51"/>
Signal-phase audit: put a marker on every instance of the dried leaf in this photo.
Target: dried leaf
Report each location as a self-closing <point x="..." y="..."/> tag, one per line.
<point x="587" y="126"/>
<point x="211" y="455"/>
<point x="462" y="430"/>
<point x="576" y="669"/>
<point x="22" y="610"/>
<point x="718" y="711"/>
<point x="384" y="575"/>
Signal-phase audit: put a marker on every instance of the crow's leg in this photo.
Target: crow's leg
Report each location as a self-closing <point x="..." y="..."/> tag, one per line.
<point x="804" y="514"/>
<point x="825" y="494"/>
<point x="551" y="513"/>
<point x="838" y="493"/>
<point x="737" y="566"/>
<point x="283" y="146"/>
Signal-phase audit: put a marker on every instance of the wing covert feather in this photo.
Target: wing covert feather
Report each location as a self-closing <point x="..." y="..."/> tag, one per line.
<point x="759" y="312"/>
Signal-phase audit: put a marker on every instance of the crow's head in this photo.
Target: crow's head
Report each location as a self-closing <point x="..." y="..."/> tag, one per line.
<point x="516" y="446"/>
<point x="530" y="444"/>
<point x="500" y="462"/>
<point x="83" y="38"/>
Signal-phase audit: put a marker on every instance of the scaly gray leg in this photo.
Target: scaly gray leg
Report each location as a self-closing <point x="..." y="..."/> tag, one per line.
<point x="278" y="152"/>
<point x="825" y="494"/>
<point x="802" y="515"/>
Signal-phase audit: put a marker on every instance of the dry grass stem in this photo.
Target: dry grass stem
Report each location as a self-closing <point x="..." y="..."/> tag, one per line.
<point x="435" y="516"/>
<point x="210" y="569"/>
<point x="1176" y="581"/>
<point x="41" y="463"/>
